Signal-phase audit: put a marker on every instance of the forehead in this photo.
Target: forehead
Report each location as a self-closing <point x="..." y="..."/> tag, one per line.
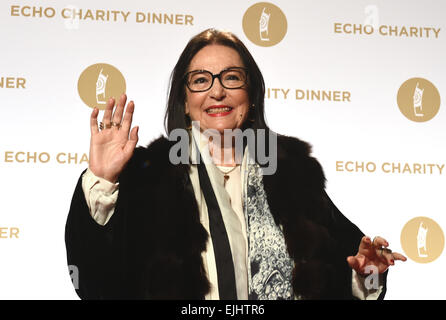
<point x="215" y="58"/>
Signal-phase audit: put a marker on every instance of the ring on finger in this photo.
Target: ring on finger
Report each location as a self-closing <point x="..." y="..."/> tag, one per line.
<point x="115" y="124"/>
<point x="385" y="250"/>
<point x="103" y="126"/>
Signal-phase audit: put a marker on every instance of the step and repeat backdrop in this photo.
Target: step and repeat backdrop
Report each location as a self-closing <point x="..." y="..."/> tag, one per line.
<point x="362" y="81"/>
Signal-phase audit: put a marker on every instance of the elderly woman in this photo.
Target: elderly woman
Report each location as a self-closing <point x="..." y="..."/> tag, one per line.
<point x="143" y="226"/>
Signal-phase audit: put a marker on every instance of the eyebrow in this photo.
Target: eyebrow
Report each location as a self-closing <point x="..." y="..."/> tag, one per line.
<point x="202" y="69"/>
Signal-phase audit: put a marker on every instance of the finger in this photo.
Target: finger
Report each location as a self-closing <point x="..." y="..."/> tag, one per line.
<point x="94" y="121"/>
<point x="117" y="116"/>
<point x="366" y="247"/>
<point x="106" y="119"/>
<point x="131" y="143"/>
<point x="353" y="263"/>
<point x="380" y="242"/>
<point x="366" y="242"/>
<point x="387" y="256"/>
<point x="128" y="117"/>
<point x="399" y="256"/>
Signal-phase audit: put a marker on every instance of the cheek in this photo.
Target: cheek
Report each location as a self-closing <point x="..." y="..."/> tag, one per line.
<point x="243" y="102"/>
<point x="194" y="103"/>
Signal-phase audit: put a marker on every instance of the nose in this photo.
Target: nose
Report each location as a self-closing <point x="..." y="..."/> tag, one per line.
<point x="217" y="91"/>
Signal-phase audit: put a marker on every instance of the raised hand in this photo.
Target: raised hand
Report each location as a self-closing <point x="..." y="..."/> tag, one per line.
<point x="375" y="253"/>
<point x="112" y="146"/>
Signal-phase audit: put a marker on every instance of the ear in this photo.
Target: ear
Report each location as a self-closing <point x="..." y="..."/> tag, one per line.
<point x="186" y="108"/>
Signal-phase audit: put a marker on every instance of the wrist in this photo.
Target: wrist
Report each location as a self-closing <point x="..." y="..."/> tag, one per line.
<point x="107" y="178"/>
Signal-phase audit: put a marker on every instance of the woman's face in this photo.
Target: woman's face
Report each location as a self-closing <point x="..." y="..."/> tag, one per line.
<point x="218" y="108"/>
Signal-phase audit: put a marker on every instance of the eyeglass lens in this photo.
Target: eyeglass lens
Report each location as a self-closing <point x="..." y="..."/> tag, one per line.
<point x="203" y="80"/>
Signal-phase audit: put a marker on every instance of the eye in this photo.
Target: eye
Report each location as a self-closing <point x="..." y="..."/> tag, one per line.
<point x="233" y="77"/>
<point x="199" y="80"/>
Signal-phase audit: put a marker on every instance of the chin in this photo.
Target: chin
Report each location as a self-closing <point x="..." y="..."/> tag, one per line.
<point x="222" y="128"/>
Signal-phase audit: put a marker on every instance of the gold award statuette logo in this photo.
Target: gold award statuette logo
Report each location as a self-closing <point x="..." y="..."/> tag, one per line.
<point x="265" y="24"/>
<point x="422" y="240"/>
<point x="98" y="83"/>
<point x="418" y="100"/>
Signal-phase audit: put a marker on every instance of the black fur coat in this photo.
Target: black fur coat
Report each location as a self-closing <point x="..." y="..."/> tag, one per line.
<point x="151" y="247"/>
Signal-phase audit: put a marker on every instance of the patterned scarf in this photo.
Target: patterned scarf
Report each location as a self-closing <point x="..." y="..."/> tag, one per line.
<point x="270" y="266"/>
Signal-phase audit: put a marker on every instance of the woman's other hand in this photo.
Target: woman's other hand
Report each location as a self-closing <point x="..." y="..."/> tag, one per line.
<point x="374" y="253"/>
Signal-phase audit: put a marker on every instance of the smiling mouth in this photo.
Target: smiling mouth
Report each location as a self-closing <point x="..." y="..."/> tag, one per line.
<point x="218" y="110"/>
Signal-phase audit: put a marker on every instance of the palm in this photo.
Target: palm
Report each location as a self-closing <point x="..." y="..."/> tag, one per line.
<point x="111" y="149"/>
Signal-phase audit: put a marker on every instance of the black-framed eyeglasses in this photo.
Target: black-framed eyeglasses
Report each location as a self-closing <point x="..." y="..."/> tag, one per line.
<point x="203" y="80"/>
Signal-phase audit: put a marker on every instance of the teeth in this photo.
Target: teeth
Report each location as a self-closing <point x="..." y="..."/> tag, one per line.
<point x="218" y="110"/>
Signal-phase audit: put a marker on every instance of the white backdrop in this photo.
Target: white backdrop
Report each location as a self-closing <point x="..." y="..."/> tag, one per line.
<point x="44" y="118"/>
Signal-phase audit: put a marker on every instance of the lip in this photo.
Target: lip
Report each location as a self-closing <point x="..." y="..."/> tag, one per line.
<point x="220" y="114"/>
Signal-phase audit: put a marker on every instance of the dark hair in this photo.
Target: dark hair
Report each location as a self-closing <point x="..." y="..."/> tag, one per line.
<point x="175" y="112"/>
